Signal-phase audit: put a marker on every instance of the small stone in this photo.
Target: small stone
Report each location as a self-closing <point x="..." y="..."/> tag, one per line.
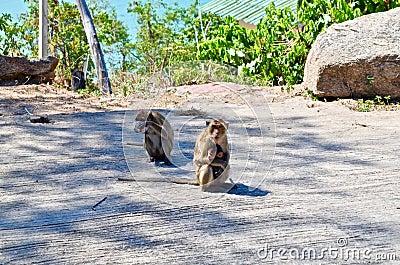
<point x="39" y="119"/>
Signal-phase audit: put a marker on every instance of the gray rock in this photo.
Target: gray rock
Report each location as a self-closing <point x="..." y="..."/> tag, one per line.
<point x="357" y="58"/>
<point x="21" y="70"/>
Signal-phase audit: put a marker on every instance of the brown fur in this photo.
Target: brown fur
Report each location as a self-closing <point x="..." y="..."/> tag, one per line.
<point x="158" y="135"/>
<point x="210" y="179"/>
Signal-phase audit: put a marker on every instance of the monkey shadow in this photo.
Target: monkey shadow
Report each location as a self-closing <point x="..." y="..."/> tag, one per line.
<point x="162" y="164"/>
<point x="244" y="190"/>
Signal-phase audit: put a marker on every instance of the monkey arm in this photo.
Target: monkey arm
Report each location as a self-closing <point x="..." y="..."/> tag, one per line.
<point x="201" y="156"/>
<point x="202" y="161"/>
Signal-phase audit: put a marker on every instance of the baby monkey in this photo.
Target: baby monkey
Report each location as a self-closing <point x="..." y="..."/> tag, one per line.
<point x="158" y="135"/>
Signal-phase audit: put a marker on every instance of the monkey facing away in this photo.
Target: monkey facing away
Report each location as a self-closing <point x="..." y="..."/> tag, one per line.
<point x="211" y="157"/>
<point x="158" y="135"/>
<point x="158" y="142"/>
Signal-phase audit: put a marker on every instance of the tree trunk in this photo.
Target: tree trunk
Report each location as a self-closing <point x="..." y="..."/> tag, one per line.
<point x="98" y="58"/>
<point x="43" y="29"/>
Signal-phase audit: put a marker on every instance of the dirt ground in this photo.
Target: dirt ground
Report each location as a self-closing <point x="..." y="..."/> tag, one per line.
<point x="46" y="99"/>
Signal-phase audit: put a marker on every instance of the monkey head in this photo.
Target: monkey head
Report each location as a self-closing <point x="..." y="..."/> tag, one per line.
<point x="217" y="127"/>
<point x="211" y="148"/>
<point x="141" y="121"/>
<point x="211" y="154"/>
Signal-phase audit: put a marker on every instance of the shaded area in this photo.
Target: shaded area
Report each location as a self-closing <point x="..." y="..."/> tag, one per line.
<point x="241" y="189"/>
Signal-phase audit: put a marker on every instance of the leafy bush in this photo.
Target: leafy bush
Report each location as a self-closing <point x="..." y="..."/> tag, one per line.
<point x="373" y="104"/>
<point x="273" y="54"/>
<point x="276" y="52"/>
<point x="160" y="40"/>
<point x="201" y="72"/>
<point x="8" y="42"/>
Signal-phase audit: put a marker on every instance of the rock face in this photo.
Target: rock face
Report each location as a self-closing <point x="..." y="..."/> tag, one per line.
<point x="357" y="58"/>
<point x="20" y="70"/>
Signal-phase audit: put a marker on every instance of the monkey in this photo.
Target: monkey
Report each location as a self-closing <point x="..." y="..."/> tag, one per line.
<point x="158" y="135"/>
<point x="158" y="142"/>
<point x="205" y="152"/>
<point x="78" y="80"/>
<point x="211" y="157"/>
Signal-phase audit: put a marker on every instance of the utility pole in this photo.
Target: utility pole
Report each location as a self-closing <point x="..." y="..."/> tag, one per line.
<point x="43" y="28"/>
<point x="98" y="57"/>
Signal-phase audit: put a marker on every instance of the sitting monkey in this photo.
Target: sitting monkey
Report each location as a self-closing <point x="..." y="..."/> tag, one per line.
<point x="158" y="135"/>
<point x="211" y="157"/>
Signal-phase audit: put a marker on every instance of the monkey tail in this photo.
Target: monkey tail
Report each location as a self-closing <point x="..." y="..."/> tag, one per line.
<point x="171" y="180"/>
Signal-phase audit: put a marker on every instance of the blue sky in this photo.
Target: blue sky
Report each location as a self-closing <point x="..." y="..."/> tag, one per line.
<point x="15" y="7"/>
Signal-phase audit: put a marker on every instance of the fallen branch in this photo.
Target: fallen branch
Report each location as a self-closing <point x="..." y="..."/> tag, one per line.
<point x="97" y="204"/>
<point x="133" y="143"/>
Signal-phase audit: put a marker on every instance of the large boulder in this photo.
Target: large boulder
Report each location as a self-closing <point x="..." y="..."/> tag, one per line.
<point x="357" y="58"/>
<point x="20" y="70"/>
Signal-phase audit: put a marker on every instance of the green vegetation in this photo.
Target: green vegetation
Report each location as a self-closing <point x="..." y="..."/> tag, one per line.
<point x="310" y="94"/>
<point x="67" y="37"/>
<point x="367" y="105"/>
<point x="177" y="46"/>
